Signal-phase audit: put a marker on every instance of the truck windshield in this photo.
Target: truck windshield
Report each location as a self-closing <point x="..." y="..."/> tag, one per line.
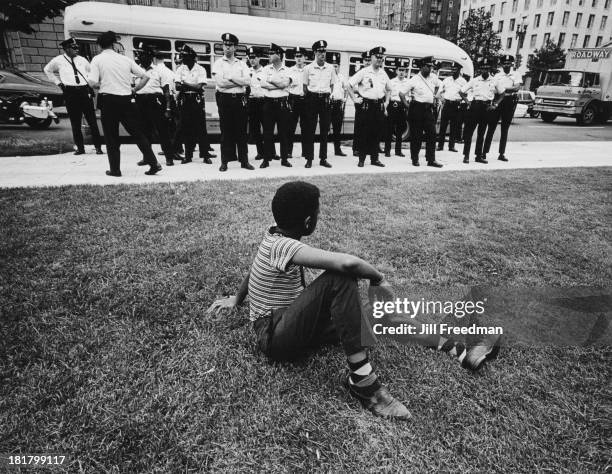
<point x="564" y="78"/>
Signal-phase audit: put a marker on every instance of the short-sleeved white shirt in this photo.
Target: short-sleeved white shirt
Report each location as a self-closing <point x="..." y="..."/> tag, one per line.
<point x="371" y="84"/>
<point x="422" y="88"/>
<point x="398" y="85"/>
<point x="451" y="88"/>
<point x="482" y="89"/>
<point x="319" y="78"/>
<point x="257" y="76"/>
<point x="297" y="80"/>
<point x="157" y="80"/>
<point x="114" y="72"/>
<point x="225" y="68"/>
<point x="272" y="74"/>
<point x="195" y="75"/>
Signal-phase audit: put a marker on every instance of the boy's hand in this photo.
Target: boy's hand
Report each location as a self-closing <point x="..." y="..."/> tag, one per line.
<point x="381" y="292"/>
<point x="224" y="303"/>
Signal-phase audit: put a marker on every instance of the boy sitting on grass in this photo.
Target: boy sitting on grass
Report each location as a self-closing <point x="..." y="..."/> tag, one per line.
<point x="290" y="318"/>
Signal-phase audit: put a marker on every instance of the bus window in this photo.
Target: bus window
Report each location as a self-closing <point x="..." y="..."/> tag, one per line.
<point x="88" y="48"/>
<point x="241" y="50"/>
<point x="155" y="43"/>
<point x="390" y="66"/>
<point x="445" y="69"/>
<point x="354" y="64"/>
<point x="202" y="51"/>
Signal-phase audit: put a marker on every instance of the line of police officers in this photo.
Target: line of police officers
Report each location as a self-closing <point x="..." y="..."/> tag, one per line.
<point x="254" y="102"/>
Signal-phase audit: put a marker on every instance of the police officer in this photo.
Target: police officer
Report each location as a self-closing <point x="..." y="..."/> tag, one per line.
<point x="338" y="101"/>
<point x="373" y="85"/>
<point x="396" y="110"/>
<point x="365" y="62"/>
<point x="422" y="113"/>
<point x="297" y="101"/>
<point x="276" y="80"/>
<point x="451" y="97"/>
<point x="232" y="76"/>
<point x="190" y="79"/>
<point x="153" y="101"/>
<point x="481" y="112"/>
<point x="69" y="71"/>
<point x="112" y="73"/>
<point x="507" y="85"/>
<point x="256" y="102"/>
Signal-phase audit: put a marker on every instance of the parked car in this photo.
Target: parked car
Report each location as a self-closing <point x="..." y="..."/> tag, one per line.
<point x="27" y="99"/>
<point x="527" y="98"/>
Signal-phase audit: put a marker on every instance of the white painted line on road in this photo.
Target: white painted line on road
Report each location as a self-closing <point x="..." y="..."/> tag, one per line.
<point x="548" y="126"/>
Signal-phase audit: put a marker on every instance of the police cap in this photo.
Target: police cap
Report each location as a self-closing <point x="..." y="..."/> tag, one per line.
<point x="276" y="49"/>
<point x="365" y="55"/>
<point x="335" y="59"/>
<point x="507" y="59"/>
<point x="186" y="50"/>
<point x="229" y="38"/>
<point x="69" y="43"/>
<point x="377" y="50"/>
<point x="426" y="61"/>
<point x="321" y="44"/>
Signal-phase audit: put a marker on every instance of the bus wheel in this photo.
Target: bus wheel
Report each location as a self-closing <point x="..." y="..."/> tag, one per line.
<point x="587" y="117"/>
<point x="548" y="117"/>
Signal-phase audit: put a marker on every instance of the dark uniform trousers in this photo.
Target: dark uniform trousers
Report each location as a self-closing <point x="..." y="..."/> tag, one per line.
<point x="297" y="103"/>
<point x="422" y="120"/>
<point x="357" y="127"/>
<point x="78" y="103"/>
<point x="396" y="125"/>
<point x="317" y="111"/>
<point x="505" y="112"/>
<point x="191" y="122"/>
<point x="328" y="311"/>
<point x="370" y="128"/>
<point x="256" y="115"/>
<point x="478" y="116"/>
<point x="337" y="118"/>
<point x="118" y="109"/>
<point x="155" y="125"/>
<point x="275" y="113"/>
<point x="233" y="119"/>
<point x="203" y="141"/>
<point x="450" y="115"/>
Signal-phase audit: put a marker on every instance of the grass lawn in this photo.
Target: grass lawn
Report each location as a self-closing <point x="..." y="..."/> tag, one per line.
<point x="35" y="145"/>
<point x="106" y="356"/>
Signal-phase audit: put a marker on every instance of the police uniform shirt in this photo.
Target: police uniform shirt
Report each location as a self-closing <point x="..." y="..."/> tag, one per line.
<point x="195" y="75"/>
<point x="157" y="80"/>
<point x="423" y="88"/>
<point x="482" y="89"/>
<point x="451" y="88"/>
<point x="62" y="65"/>
<point x="371" y="84"/>
<point x="257" y="76"/>
<point x="505" y="81"/>
<point x="319" y="78"/>
<point x="398" y="85"/>
<point x="114" y="71"/>
<point x="338" y="90"/>
<point x="226" y="68"/>
<point x="297" y="80"/>
<point x="271" y="73"/>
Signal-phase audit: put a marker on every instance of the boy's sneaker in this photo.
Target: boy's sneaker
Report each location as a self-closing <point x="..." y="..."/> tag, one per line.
<point x="381" y="403"/>
<point x="485" y="350"/>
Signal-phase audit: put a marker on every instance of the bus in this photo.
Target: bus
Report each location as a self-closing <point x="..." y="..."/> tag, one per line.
<point x="168" y="29"/>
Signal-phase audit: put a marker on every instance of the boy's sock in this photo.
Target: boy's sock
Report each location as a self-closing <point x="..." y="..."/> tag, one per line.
<point x="362" y="377"/>
<point x="453" y="348"/>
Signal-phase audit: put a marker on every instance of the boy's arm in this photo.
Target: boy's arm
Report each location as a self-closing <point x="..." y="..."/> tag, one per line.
<point x="231" y="301"/>
<point x="338" y="262"/>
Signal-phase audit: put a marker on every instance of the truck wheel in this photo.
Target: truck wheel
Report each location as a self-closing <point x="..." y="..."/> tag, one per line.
<point x="39" y="124"/>
<point x="548" y="117"/>
<point x="587" y="117"/>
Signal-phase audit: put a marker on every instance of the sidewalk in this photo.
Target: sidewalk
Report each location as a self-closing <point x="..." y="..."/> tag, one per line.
<point x="67" y="169"/>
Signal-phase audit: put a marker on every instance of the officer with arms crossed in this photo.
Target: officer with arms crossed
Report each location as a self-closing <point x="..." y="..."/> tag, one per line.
<point x="69" y="71"/>
<point x="319" y="78"/>
<point x="451" y="97"/>
<point x="232" y="76"/>
<point x="275" y="82"/>
<point x="373" y="87"/>
<point x="112" y="73"/>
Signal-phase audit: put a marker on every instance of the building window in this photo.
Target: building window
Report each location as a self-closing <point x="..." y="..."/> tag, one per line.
<point x="310" y="6"/>
<point x="568" y="2"/>
<point x="536" y="20"/>
<point x="578" y="20"/>
<point x="509" y="43"/>
<point x="202" y="5"/>
<point x="463" y="17"/>
<point x="590" y="21"/>
<point x="532" y="42"/>
<point x="512" y="21"/>
<point x="319" y="6"/>
<point x="447" y="30"/>
<point x="492" y="10"/>
<point x="450" y="4"/>
<point x="502" y="8"/>
<point x="604" y="20"/>
<point x="598" y="42"/>
<point x="607" y="4"/>
<point x="367" y="1"/>
<point x="553" y="3"/>
<point x="500" y="27"/>
<point x="561" y="39"/>
<point x="514" y="5"/>
<point x="258" y="3"/>
<point x="367" y="22"/>
<point x="574" y="41"/>
<point x="540" y="3"/>
<point x="565" y="18"/>
<point x="585" y="43"/>
<point x="527" y="3"/>
<point x="546" y="38"/>
<point x="594" y="4"/>
<point x="551" y="18"/>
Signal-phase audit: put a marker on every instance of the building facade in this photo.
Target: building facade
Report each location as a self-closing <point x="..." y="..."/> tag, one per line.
<point x="31" y="52"/>
<point x="526" y="25"/>
<point x="436" y="17"/>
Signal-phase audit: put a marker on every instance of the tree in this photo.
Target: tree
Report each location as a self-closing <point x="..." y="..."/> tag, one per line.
<point x="549" y="56"/>
<point x="19" y="15"/>
<point x="476" y="36"/>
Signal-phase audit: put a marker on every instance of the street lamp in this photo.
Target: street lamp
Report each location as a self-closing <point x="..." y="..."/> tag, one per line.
<point x="521" y="31"/>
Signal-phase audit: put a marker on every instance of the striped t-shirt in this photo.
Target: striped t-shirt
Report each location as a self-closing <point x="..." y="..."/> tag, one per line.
<point x="274" y="281"/>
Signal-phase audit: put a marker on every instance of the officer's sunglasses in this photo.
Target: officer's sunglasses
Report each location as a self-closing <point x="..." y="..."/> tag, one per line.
<point x="321" y="51"/>
<point x="299" y="55"/>
<point x="380" y="56"/>
<point x="252" y="57"/>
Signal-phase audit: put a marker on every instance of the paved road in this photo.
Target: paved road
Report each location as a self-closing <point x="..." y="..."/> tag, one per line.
<point x="522" y="130"/>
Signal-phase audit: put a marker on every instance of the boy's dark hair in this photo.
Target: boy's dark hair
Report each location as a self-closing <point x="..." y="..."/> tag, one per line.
<point x="294" y="202"/>
<point x="107" y="39"/>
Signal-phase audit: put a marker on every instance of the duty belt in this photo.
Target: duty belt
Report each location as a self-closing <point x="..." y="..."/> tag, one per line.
<point x="482" y="101"/>
<point x="191" y="92"/>
<point x="375" y="101"/>
<point x="319" y="94"/>
<point x="296" y="96"/>
<point x="232" y="94"/>
<point x="277" y="99"/>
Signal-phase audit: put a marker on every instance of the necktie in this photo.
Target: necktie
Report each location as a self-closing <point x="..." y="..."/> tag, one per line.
<point x="76" y="72"/>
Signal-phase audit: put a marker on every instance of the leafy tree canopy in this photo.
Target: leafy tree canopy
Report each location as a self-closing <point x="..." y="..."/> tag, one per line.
<point x="20" y="15"/>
